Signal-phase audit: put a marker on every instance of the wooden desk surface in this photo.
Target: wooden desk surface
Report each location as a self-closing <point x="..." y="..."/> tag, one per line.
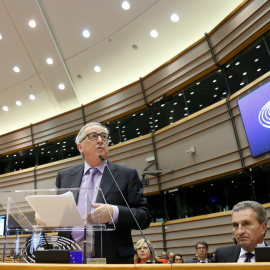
<point x="188" y="266"/>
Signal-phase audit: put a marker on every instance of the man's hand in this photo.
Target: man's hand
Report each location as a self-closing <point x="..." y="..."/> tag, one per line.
<point x="102" y="213"/>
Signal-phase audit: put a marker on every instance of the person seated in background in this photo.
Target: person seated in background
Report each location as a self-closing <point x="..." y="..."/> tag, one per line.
<point x="11" y="254"/>
<point x="178" y="258"/>
<point x="202" y="251"/>
<point x="170" y="257"/>
<point x="163" y="256"/>
<point x="143" y="253"/>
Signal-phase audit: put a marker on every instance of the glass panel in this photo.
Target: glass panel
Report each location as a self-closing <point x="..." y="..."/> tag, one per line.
<point x="248" y="65"/>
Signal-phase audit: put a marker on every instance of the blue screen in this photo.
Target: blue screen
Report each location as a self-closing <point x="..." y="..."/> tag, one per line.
<point x="255" y="112"/>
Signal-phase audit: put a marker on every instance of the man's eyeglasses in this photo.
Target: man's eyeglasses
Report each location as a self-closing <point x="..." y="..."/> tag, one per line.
<point x="201" y="248"/>
<point x="94" y="136"/>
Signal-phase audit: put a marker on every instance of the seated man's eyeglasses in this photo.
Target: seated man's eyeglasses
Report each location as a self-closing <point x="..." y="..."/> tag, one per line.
<point x="201" y="247"/>
<point x="94" y="136"/>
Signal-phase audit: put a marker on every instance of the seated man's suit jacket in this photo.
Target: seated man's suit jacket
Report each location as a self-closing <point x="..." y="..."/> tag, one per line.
<point x="117" y="244"/>
<point x="227" y="254"/>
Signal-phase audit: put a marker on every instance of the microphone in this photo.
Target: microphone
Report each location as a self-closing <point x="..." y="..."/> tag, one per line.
<point x="151" y="250"/>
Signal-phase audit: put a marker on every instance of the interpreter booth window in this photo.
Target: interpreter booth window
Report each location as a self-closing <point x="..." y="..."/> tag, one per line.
<point x="69" y="147"/>
<point x="157" y="206"/>
<point x="18" y="161"/>
<point x="250" y="64"/>
<point x="209" y="197"/>
<point x="168" y="110"/>
<point x="49" y="152"/>
<point x="261" y="182"/>
<point x="132" y="126"/>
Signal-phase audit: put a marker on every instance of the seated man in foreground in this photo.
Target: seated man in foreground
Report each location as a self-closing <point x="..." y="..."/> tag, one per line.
<point x="249" y="221"/>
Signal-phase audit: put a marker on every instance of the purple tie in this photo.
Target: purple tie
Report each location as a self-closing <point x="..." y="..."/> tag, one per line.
<point x="89" y="183"/>
<point x="248" y="257"/>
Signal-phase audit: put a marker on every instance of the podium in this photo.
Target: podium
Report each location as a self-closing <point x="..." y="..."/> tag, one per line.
<point x="48" y="218"/>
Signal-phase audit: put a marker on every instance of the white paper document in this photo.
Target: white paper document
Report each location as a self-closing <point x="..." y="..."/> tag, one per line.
<point x="56" y="210"/>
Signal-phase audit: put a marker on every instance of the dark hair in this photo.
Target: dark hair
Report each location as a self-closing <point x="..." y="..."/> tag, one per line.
<point x="177" y="254"/>
<point x="203" y="243"/>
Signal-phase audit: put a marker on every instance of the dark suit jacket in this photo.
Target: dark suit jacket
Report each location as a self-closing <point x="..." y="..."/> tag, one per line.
<point x="117" y="244"/>
<point x="227" y="254"/>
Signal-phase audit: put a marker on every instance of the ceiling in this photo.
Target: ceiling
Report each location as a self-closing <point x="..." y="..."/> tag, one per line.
<point x="120" y="43"/>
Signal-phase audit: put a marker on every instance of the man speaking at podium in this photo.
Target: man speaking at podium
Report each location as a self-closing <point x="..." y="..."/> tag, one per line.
<point x="92" y="142"/>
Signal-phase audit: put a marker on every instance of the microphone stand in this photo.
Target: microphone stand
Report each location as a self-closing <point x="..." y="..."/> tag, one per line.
<point x="151" y="250"/>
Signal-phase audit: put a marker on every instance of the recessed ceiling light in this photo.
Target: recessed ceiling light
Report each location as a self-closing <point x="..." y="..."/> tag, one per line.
<point x="61" y="86"/>
<point x="258" y="47"/>
<point x="16" y="69"/>
<point x="237" y="63"/>
<point x="174" y="17"/>
<point x="1" y="36"/>
<point x="49" y="61"/>
<point x="5" y="108"/>
<point x="18" y="103"/>
<point x="259" y="69"/>
<point x="32" y="97"/>
<point x="198" y="83"/>
<point x="125" y="5"/>
<point x="154" y="33"/>
<point x="97" y="69"/>
<point x="32" y="24"/>
<point x="256" y="60"/>
<point x="245" y="73"/>
<point x="86" y="33"/>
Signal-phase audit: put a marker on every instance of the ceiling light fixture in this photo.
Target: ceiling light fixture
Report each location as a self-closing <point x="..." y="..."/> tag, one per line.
<point x="5" y="108"/>
<point x="86" y="33"/>
<point x="32" y="24"/>
<point x="18" y="103"/>
<point x="1" y="36"/>
<point x="154" y="33"/>
<point x="32" y="97"/>
<point x="16" y="69"/>
<point x="125" y="5"/>
<point x="174" y="17"/>
<point x="61" y="86"/>
<point x="97" y="69"/>
<point x="49" y="61"/>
